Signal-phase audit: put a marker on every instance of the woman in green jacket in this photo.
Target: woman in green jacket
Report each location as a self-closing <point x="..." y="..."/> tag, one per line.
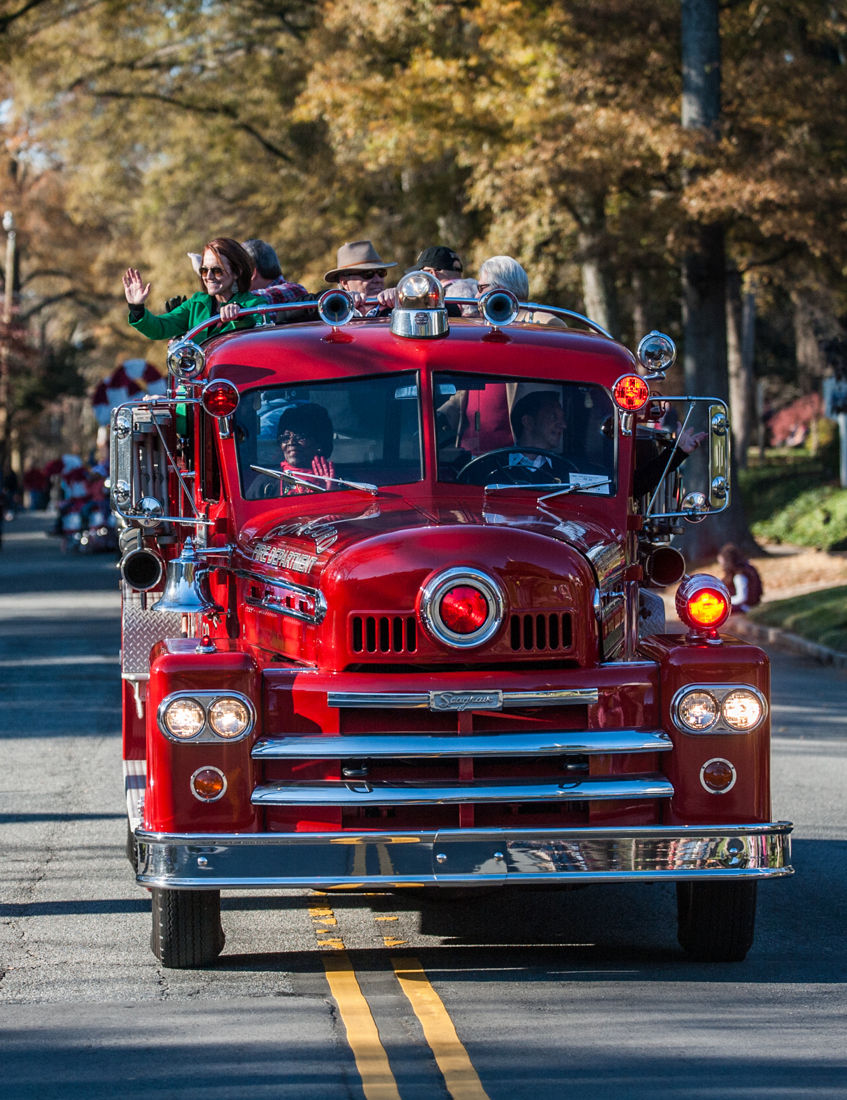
<point x="225" y="273"/>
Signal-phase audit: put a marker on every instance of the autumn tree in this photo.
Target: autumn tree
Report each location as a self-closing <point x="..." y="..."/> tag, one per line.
<point x="552" y="131"/>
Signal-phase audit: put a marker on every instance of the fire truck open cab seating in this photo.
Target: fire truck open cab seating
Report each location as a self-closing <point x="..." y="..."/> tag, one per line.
<point x="388" y="644"/>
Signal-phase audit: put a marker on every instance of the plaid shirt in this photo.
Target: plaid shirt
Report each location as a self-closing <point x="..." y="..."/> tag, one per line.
<point x="281" y="291"/>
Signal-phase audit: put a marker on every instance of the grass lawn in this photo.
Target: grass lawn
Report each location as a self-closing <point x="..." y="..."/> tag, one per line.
<point x="820" y="616"/>
<point x="795" y="499"/>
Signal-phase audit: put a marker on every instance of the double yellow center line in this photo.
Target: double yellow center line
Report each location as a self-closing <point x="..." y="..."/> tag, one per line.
<point x="378" y="1081"/>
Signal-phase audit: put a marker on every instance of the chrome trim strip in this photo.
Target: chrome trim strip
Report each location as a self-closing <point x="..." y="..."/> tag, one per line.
<point x="558" y="311"/>
<point x="400" y="746"/>
<point x="422" y="700"/>
<point x="463" y="857"/>
<point x="268" y="603"/>
<point x="355" y="794"/>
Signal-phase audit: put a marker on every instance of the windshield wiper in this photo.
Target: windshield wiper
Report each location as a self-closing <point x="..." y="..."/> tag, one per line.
<point x="297" y="479"/>
<point x="522" y="485"/>
<point x="582" y="487"/>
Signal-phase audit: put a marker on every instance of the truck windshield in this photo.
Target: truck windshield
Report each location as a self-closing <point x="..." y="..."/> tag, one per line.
<point x="511" y="431"/>
<point x="329" y="434"/>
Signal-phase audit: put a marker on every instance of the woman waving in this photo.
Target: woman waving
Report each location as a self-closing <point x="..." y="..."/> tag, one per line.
<point x="225" y="273"/>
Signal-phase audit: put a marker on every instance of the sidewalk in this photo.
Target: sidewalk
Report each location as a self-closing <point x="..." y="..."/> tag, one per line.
<point x="771" y="635"/>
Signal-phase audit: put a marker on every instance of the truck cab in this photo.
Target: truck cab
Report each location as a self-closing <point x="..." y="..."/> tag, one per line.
<point x="390" y="620"/>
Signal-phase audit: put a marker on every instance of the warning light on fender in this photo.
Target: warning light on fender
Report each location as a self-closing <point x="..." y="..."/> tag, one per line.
<point x="220" y="398"/>
<point x="702" y="602"/>
<point x="631" y="393"/>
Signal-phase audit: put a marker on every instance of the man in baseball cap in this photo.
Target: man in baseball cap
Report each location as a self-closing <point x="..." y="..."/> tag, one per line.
<point x="443" y="262"/>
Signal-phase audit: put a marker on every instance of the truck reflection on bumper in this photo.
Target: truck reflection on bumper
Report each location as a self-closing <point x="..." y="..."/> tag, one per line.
<point x="469" y="857"/>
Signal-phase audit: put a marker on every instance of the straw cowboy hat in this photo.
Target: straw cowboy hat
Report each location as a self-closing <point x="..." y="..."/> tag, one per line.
<point x="356" y="256"/>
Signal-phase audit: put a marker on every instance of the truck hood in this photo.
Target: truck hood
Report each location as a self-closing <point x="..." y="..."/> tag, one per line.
<point x="310" y="545"/>
<point x="372" y="566"/>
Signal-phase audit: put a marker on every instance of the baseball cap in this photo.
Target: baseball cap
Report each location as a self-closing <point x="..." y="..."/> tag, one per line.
<point x="441" y="258"/>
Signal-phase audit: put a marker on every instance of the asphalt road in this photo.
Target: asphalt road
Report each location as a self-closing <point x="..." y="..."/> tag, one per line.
<point x="538" y="994"/>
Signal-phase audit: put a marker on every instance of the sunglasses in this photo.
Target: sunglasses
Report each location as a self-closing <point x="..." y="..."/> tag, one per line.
<point x="294" y="437"/>
<point x="381" y="271"/>
<point x="215" y="272"/>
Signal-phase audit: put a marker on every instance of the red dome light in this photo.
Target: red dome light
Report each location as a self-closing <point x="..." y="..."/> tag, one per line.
<point x="463" y="609"/>
<point x="707" y="608"/>
<point x="702" y="602"/>
<point x="220" y="398"/>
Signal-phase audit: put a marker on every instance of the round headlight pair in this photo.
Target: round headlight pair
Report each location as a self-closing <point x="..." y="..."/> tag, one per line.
<point x="704" y="709"/>
<point x="205" y="717"/>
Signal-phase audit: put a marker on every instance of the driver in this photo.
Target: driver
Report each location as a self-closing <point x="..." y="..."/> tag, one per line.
<point x="538" y="423"/>
<point x="305" y="435"/>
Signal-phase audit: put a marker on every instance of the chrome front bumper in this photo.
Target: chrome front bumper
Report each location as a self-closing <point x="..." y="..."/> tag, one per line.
<point x="471" y="857"/>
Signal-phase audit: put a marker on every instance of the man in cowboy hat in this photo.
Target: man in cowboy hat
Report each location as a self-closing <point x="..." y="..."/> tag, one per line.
<point x="360" y="271"/>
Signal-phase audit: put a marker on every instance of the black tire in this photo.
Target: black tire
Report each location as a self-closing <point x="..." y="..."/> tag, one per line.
<point x="186" y="927"/>
<point x="716" y="920"/>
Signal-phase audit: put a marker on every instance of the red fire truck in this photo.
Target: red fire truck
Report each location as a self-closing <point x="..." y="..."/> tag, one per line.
<point x="391" y="620"/>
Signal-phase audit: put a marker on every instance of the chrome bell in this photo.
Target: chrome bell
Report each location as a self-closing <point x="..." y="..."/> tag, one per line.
<point x="185" y="587"/>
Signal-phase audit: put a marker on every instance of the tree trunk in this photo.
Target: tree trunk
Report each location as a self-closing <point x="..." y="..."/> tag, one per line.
<point x="704" y="271"/>
<point x="639" y="311"/>
<point x="598" y="281"/>
<point x="740" y="315"/>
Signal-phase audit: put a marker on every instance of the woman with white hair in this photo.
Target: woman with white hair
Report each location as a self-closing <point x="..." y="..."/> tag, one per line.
<point x="463" y="288"/>
<point x="505" y="273"/>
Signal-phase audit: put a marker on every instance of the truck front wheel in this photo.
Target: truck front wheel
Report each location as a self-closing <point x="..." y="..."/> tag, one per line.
<point x="716" y="920"/>
<point x="186" y="927"/>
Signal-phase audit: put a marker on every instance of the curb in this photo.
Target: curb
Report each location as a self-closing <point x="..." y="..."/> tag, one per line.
<point x="774" y="636"/>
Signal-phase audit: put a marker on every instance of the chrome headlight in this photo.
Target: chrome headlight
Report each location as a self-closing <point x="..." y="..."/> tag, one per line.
<point x="185" y="359"/>
<point x="743" y="709"/>
<point x="698" y="711"/>
<point x="182" y="718"/>
<point x="229" y="717"/>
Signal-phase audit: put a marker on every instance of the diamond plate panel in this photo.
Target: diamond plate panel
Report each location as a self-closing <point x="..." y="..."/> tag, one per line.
<point x="142" y="629"/>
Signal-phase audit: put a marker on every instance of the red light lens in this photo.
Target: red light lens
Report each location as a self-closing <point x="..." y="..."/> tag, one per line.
<point x="631" y="393"/>
<point x="464" y="609"/>
<point x="708" y="607"/>
<point x="220" y="398"/>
